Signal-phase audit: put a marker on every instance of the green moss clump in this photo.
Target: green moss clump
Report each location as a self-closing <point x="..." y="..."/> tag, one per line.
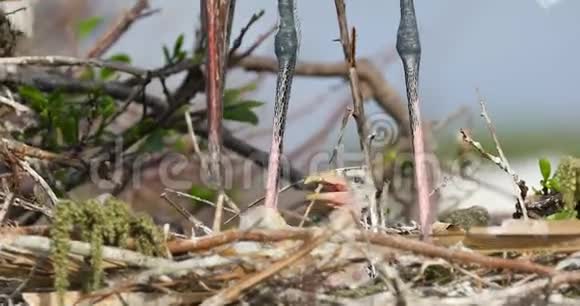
<point x="110" y="223"/>
<point x="467" y="217"/>
<point x="567" y="176"/>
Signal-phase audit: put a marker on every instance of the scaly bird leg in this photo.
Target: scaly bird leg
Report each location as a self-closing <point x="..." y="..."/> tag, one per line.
<point x="218" y="19"/>
<point x="214" y="83"/>
<point x="286" y="48"/>
<point x="409" y="49"/>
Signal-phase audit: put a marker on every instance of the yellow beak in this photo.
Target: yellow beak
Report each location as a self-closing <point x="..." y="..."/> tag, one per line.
<point x="335" y="188"/>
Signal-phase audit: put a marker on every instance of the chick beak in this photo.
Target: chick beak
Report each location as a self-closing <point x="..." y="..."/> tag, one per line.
<point x="335" y="189"/>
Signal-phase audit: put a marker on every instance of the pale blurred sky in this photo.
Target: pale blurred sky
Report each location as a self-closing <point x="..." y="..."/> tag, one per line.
<point x="522" y="56"/>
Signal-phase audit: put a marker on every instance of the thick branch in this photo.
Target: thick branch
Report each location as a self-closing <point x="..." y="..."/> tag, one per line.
<point x="382" y="239"/>
<point x="49" y="82"/>
<point x="58" y="61"/>
<point x="370" y="78"/>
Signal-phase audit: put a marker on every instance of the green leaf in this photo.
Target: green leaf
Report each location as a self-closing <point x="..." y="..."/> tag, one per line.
<point x="137" y="131"/>
<point x="107" y="106"/>
<point x="249" y="104"/>
<point x="56" y="103"/>
<point x="249" y="87"/>
<point x="241" y="115"/>
<point x="87" y="26"/>
<point x="88" y="74"/>
<point x="107" y="73"/>
<point x="44" y="115"/>
<point x="167" y="56"/>
<point x="231" y="96"/>
<point x="180" y="146"/>
<point x="180" y="57"/>
<point x="121" y="58"/>
<point x="177" y="54"/>
<point x="36" y="98"/>
<point x="242" y="112"/>
<point x="154" y="141"/>
<point x="177" y="46"/>
<point x="545" y="168"/>
<point x="69" y="129"/>
<point x="198" y="58"/>
<point x="202" y="192"/>
<point x="554" y="184"/>
<point x="563" y="215"/>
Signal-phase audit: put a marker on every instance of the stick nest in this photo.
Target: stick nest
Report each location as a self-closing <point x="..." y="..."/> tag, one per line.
<point x="107" y="252"/>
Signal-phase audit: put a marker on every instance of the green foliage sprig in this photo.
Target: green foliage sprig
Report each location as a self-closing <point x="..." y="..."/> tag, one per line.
<point x="110" y="223"/>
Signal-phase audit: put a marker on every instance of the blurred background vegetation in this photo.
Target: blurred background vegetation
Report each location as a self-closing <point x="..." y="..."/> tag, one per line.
<point x="519" y="54"/>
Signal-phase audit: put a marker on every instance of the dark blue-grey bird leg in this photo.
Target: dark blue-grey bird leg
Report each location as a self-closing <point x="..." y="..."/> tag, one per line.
<point x="286" y="48"/>
<point x="409" y="49"/>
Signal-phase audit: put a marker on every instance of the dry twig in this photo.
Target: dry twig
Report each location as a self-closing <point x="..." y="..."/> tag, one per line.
<point x="18" y="108"/>
<point x="238" y="41"/>
<point x="230" y="294"/>
<point x="349" y="50"/>
<point x="40" y="181"/>
<point x="381" y="239"/>
<point x="235" y="58"/>
<point x="42" y="245"/>
<point x="118" y="29"/>
<point x="515" y="179"/>
<point x="187" y="215"/>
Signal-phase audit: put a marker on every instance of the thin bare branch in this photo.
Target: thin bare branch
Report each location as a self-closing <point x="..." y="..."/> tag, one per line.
<point x="183" y="194"/>
<point x="18" y="108"/>
<point x="349" y="50"/>
<point x="515" y="179"/>
<point x="186" y="214"/>
<point x="194" y="141"/>
<point x="382" y="239"/>
<point x="40" y="181"/>
<point x="380" y="89"/>
<point x="118" y="29"/>
<point x="238" y="41"/>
